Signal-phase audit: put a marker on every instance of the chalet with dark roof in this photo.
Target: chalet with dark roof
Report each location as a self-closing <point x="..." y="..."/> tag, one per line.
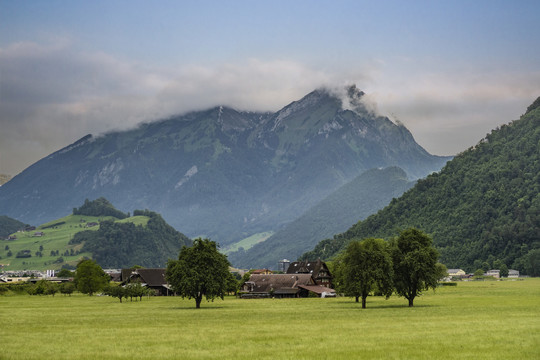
<point x="317" y="269"/>
<point x="151" y="278"/>
<point x="276" y="285"/>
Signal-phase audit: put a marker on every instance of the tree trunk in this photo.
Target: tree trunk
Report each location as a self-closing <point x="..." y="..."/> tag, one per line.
<point x="357" y="298"/>
<point x="364" y="302"/>
<point x="198" y="300"/>
<point x="411" y="302"/>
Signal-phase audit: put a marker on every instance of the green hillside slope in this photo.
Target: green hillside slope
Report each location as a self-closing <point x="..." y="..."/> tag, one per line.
<point x="121" y="244"/>
<point x="50" y="250"/>
<point x="357" y="199"/>
<point x="9" y="225"/>
<point x="143" y="239"/>
<point x="484" y="205"/>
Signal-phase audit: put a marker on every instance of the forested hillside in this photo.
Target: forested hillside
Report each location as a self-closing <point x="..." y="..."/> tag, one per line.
<point x="358" y="199"/>
<point x="124" y="244"/>
<point x="483" y="206"/>
<point x="9" y="225"/>
<point x="99" y="207"/>
<point x="95" y="230"/>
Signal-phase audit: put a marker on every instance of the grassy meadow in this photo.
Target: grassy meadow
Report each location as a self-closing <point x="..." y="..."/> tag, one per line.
<point x="475" y="320"/>
<point x="248" y="242"/>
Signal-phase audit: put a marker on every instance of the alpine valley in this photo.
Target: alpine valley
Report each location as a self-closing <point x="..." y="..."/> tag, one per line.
<point x="227" y="174"/>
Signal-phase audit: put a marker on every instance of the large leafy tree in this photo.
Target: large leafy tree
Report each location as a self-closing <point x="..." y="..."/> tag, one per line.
<point x="365" y="267"/>
<point x="90" y="277"/>
<point x="415" y="264"/>
<point x="201" y="270"/>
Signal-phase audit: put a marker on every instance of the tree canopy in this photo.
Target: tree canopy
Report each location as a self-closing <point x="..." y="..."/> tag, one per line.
<point x="99" y="207"/>
<point x="9" y="226"/>
<point x="415" y="264"/>
<point x="201" y="270"/>
<point x="365" y="267"/>
<point x="90" y="277"/>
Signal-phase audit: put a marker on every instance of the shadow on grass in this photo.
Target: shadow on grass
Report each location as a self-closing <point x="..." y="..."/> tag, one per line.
<point x="202" y="308"/>
<point x="354" y="305"/>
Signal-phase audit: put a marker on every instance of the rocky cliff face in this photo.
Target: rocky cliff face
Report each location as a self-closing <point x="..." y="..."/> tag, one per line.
<point x="221" y="173"/>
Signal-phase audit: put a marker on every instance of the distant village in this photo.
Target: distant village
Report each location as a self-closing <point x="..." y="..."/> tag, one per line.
<point x="292" y="279"/>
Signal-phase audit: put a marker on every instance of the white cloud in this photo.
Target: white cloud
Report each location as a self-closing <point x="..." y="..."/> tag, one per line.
<point x="51" y="95"/>
<point x="448" y="112"/>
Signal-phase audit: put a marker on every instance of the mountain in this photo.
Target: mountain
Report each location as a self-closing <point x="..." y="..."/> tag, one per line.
<point x="222" y="173"/>
<point x="361" y="197"/>
<point x="4" y="179"/>
<point x="483" y="206"/>
<point x="94" y="231"/>
<point x="9" y="226"/>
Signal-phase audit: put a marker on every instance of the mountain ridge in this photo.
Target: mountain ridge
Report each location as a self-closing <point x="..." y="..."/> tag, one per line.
<point x="220" y="173"/>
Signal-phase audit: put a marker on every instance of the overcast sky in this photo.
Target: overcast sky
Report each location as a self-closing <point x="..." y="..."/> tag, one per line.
<point x="449" y="70"/>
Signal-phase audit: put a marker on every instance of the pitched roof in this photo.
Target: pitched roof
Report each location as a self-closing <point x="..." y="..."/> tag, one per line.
<point x="281" y="282"/>
<point x="317" y="289"/>
<point x="151" y="277"/>
<point x="306" y="267"/>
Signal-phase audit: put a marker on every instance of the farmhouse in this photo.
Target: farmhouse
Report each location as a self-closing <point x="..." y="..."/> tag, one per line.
<point x="494" y="273"/>
<point x="456" y="273"/>
<point x="513" y="273"/>
<point x="151" y="278"/>
<point x="282" y="286"/>
<point x="317" y="269"/>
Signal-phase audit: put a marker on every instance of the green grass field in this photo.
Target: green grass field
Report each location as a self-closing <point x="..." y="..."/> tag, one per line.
<point x="475" y="320"/>
<point x="56" y="238"/>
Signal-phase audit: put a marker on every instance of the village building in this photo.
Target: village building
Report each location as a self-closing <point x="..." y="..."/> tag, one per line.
<point x="456" y="273"/>
<point x="495" y="273"/>
<point x="283" y="265"/>
<point x="513" y="274"/>
<point x="151" y="278"/>
<point x="283" y="286"/>
<point x="317" y="269"/>
<point x="6" y="279"/>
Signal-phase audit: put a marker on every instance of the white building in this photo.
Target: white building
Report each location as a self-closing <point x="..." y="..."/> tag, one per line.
<point x="513" y="273"/>
<point x="495" y="273"/>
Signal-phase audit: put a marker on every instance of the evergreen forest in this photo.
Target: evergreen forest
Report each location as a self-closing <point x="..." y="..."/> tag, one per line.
<point x="9" y="225"/>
